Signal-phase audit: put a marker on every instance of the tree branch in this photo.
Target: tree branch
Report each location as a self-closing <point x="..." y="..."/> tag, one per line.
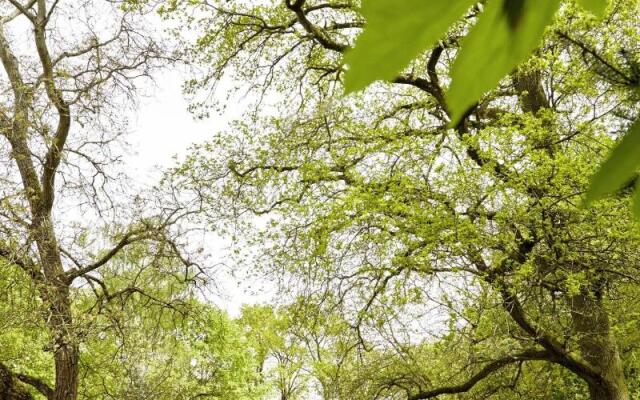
<point x="489" y="369"/>
<point x="52" y="159"/>
<point x="6" y="378"/>
<point x="319" y="35"/>
<point x="628" y="80"/>
<point x="24" y="263"/>
<point x="129" y="238"/>
<point x="571" y="361"/>
<point x="21" y="10"/>
<point x="38" y="384"/>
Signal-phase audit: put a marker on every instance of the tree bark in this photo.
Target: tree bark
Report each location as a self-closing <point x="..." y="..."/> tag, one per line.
<point x="55" y="293"/>
<point x="591" y="323"/>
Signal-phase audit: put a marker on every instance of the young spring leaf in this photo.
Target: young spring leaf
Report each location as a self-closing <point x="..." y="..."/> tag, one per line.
<point x="494" y="47"/>
<point x="635" y="207"/>
<point x="514" y="10"/>
<point x="597" y="7"/>
<point x="396" y="32"/>
<point x="622" y="164"/>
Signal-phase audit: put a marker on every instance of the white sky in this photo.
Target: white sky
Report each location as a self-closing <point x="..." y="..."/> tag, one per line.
<point x="162" y="128"/>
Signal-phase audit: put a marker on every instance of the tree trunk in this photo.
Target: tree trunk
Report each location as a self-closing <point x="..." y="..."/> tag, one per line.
<point x="55" y="293"/>
<point x="529" y="87"/>
<point x="597" y="345"/>
<point x="66" y="360"/>
<point x="66" y="351"/>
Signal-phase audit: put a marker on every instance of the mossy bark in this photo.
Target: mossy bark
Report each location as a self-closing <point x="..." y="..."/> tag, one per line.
<point x="592" y="327"/>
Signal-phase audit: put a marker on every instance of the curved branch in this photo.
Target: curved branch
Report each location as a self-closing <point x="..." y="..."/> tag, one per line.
<point x="52" y="159"/>
<point x="514" y="308"/>
<point x="10" y="391"/>
<point x="38" y="384"/>
<point x="489" y="369"/>
<point x="571" y="361"/>
<point x="20" y="10"/>
<point x="17" y="134"/>
<point x="629" y="80"/>
<point x="319" y="35"/>
<point x="129" y="238"/>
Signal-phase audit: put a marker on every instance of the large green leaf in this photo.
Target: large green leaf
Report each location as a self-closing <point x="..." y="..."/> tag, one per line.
<point x="494" y="47"/>
<point x="597" y="7"/>
<point x="635" y="207"/>
<point x="619" y="168"/>
<point x="396" y="32"/>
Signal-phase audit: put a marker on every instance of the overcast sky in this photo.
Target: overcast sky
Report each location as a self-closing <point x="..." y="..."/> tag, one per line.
<point x="160" y="129"/>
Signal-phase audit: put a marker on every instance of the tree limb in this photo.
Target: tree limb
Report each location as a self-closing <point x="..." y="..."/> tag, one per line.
<point x="40" y="385"/>
<point x="129" y="238"/>
<point x="52" y="159"/>
<point x="8" y="389"/>
<point x="488" y="369"/>
<point x="20" y="10"/>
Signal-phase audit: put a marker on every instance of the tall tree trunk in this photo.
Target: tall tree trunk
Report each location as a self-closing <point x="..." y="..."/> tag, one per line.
<point x="66" y="360"/>
<point x="66" y="351"/>
<point x="55" y="293"/>
<point x="39" y="192"/>
<point x="589" y="317"/>
<point x="597" y="345"/>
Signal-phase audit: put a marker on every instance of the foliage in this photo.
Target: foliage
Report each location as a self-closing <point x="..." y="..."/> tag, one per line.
<point x="495" y="45"/>
<point x="395" y="35"/>
<point x="619" y="168"/>
<point x="136" y="347"/>
<point x="506" y="34"/>
<point x="415" y="231"/>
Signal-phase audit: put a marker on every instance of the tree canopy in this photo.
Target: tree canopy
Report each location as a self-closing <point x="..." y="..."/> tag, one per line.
<point x="379" y="208"/>
<point x="426" y="233"/>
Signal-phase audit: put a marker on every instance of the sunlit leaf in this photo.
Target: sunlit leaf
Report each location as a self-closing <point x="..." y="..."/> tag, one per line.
<point x="620" y="167"/>
<point x="514" y="10"/>
<point x="494" y="47"/>
<point x="636" y="203"/>
<point x="396" y="32"/>
<point x="597" y="7"/>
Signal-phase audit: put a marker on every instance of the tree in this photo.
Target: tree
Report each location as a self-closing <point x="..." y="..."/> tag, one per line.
<point x="279" y="355"/>
<point x="376" y="203"/>
<point x="157" y="342"/>
<point x="160" y="355"/>
<point x="302" y="350"/>
<point x="66" y="77"/>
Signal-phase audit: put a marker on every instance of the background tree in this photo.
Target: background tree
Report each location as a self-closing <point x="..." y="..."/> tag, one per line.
<point x="280" y="356"/>
<point x="155" y="342"/>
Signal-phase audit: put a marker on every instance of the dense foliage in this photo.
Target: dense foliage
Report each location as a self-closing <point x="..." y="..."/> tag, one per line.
<point x="470" y="238"/>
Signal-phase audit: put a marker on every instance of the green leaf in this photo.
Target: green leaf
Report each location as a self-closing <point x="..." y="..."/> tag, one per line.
<point x="635" y="207"/>
<point x="493" y="48"/>
<point x="396" y="33"/>
<point x="514" y="10"/>
<point x="622" y="164"/>
<point x="597" y="7"/>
